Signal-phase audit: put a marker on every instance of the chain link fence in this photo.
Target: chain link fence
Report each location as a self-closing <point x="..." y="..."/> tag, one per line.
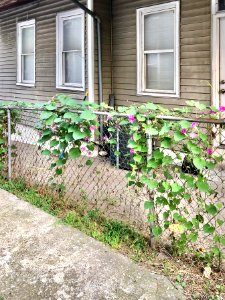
<point x="103" y="185"/>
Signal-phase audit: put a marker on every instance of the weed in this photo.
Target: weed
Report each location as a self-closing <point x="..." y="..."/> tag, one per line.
<point x="92" y="222"/>
<point x="220" y="288"/>
<point x="31" y="195"/>
<point x="213" y="292"/>
<point x="180" y="281"/>
<point x="196" y="296"/>
<point x="167" y="268"/>
<point x="206" y="286"/>
<point x="114" y="233"/>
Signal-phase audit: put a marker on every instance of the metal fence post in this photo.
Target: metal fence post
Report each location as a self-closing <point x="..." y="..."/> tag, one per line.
<point x="101" y="117"/>
<point x="117" y="148"/>
<point x="9" y="144"/>
<point x="151" y="211"/>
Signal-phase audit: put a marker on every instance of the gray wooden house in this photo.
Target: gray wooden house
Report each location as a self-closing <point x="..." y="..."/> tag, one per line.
<point x="151" y="50"/>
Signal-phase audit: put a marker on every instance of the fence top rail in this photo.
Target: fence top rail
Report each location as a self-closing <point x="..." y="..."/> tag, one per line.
<point x="102" y="113"/>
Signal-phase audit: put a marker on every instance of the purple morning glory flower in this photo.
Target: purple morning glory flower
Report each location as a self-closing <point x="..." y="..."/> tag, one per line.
<point x="222" y="109"/>
<point x="131" y="118"/>
<point x="210" y="151"/>
<point x="183" y="131"/>
<point x="92" y="128"/>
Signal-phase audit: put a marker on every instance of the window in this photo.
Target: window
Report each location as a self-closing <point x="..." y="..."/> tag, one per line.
<point x="158" y="50"/>
<point x="70" y="73"/>
<point x="26" y="53"/>
<point x="221" y="4"/>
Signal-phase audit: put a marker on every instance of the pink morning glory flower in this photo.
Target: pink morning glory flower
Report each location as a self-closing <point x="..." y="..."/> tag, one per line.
<point x="83" y="149"/>
<point x="209" y="151"/>
<point x="183" y="131"/>
<point x="193" y="135"/>
<point x="109" y="118"/>
<point x="212" y="112"/>
<point x="194" y="124"/>
<point x="106" y="138"/>
<point x="54" y="128"/>
<point x="131" y="118"/>
<point x="92" y="128"/>
<point x="222" y="109"/>
<point x="132" y="151"/>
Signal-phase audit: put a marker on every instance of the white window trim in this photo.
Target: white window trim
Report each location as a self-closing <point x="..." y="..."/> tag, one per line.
<point x="59" y="45"/>
<point x="215" y="56"/>
<point x="20" y="26"/>
<point x="140" y="50"/>
<point x="91" y="53"/>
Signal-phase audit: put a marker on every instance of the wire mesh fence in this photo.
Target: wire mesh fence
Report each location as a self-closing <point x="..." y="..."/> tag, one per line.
<point x="103" y="184"/>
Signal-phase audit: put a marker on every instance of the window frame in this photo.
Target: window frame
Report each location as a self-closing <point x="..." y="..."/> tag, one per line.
<point x="20" y="26"/>
<point x="59" y="50"/>
<point x="141" y="65"/>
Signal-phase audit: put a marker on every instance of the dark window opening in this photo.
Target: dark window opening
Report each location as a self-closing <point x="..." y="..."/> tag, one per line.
<point x="221" y="4"/>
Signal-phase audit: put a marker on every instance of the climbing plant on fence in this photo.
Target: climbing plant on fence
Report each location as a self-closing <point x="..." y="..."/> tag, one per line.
<point x="14" y="114"/>
<point x="69" y="134"/>
<point x="175" y="171"/>
<point x="3" y="138"/>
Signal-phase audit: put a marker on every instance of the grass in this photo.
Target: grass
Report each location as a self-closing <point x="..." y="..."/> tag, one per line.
<point x="114" y="233"/>
<point x="185" y="274"/>
<point x="111" y="232"/>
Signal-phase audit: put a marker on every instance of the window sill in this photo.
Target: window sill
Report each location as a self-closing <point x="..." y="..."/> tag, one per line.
<point x="25" y="84"/>
<point x="158" y="95"/>
<point x="71" y="88"/>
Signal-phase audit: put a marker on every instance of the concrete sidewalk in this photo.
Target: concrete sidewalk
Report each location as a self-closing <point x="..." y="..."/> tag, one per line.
<point x="42" y="259"/>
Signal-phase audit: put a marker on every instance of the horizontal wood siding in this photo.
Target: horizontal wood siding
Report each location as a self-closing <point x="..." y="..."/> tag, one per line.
<point x="194" y="51"/>
<point x="195" y="45"/>
<point x="44" y="11"/>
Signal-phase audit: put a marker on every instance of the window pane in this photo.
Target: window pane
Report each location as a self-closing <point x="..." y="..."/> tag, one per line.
<point x="221" y="4"/>
<point x="73" y="67"/>
<point x="72" y="34"/>
<point x="160" y="71"/>
<point x="28" y="40"/>
<point x="28" y="68"/>
<point x="159" y="31"/>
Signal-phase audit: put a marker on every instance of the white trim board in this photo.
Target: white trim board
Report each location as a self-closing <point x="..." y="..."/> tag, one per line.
<point x="141" y="12"/>
<point x="75" y="13"/>
<point x="215" y="46"/>
<point x="91" y="53"/>
<point x="19" y="77"/>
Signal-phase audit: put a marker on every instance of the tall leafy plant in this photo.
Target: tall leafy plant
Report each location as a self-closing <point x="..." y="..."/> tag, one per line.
<point x="15" y="115"/>
<point x="3" y="138"/>
<point x="70" y="129"/>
